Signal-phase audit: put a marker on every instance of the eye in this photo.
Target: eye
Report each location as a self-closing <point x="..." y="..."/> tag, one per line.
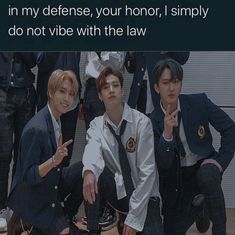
<point x="71" y="94"/>
<point x="165" y="82"/>
<point x="62" y="91"/>
<point x="116" y="85"/>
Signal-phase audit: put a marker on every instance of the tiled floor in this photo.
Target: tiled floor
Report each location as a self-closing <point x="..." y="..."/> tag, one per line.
<point x="193" y="230"/>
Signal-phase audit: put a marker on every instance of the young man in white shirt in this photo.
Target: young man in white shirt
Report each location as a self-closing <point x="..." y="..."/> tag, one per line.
<point x="133" y="190"/>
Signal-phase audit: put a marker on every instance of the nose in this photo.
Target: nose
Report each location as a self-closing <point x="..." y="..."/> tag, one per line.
<point x="111" y="88"/>
<point x="172" y="86"/>
<point x="66" y="97"/>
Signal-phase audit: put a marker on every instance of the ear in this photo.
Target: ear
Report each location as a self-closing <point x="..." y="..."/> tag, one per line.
<point x="156" y="88"/>
<point x="100" y="96"/>
<point x="49" y="95"/>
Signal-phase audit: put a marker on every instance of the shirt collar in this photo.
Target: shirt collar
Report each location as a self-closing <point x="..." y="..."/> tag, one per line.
<point x="164" y="111"/>
<point x="127" y="115"/>
<point x="56" y="123"/>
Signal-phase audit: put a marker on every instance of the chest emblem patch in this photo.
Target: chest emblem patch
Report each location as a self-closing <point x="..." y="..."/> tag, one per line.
<point x="201" y="132"/>
<point x="131" y="145"/>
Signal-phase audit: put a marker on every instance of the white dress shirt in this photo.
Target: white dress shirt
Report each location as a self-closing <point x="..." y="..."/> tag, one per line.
<point x="102" y="150"/>
<point x="56" y="126"/>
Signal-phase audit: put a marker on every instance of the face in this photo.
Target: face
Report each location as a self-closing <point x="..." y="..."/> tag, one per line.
<point x="62" y="99"/>
<point x="111" y="93"/>
<point x="169" y="89"/>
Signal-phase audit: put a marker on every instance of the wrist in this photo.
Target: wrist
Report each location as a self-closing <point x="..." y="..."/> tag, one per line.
<point x="167" y="136"/>
<point x="53" y="161"/>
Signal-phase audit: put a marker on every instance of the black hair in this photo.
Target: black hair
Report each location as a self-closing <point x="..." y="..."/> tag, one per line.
<point x="175" y="68"/>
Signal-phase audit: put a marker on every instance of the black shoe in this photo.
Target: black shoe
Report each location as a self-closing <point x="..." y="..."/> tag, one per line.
<point x="108" y="219"/>
<point x="203" y="220"/>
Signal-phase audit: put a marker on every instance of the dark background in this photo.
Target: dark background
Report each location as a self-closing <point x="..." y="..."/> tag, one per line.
<point x="216" y="32"/>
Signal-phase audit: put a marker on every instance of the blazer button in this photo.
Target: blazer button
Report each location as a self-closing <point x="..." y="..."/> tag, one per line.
<point x="138" y="84"/>
<point x="56" y="187"/>
<point x="142" y="69"/>
<point x="53" y="205"/>
<point x="176" y="190"/>
<point x="168" y="149"/>
<point x="58" y="169"/>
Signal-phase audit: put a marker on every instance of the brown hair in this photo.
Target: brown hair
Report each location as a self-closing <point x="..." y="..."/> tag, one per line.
<point x="101" y="80"/>
<point x="56" y="79"/>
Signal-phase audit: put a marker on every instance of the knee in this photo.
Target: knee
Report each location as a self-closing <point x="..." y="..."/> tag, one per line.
<point x="208" y="175"/>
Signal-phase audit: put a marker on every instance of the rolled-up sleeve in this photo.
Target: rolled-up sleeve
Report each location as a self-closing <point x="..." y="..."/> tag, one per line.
<point x="146" y="177"/>
<point x="92" y="156"/>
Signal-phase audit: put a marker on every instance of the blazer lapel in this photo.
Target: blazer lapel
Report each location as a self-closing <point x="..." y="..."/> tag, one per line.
<point x="186" y="115"/>
<point x="50" y="128"/>
<point x="159" y="119"/>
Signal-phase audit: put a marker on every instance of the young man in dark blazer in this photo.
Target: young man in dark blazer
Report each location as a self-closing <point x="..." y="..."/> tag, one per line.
<point x="43" y="193"/>
<point x="187" y="161"/>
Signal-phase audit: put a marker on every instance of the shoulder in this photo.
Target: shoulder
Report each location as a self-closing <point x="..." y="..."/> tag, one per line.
<point x="96" y="124"/>
<point x="38" y="123"/>
<point x="194" y="99"/>
<point x="140" y="119"/>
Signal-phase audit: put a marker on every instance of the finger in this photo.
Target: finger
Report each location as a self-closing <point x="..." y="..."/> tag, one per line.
<point x="175" y="113"/>
<point x="92" y="192"/>
<point x="86" y="194"/>
<point x="168" y="109"/>
<point x="67" y="143"/>
<point x="96" y="188"/>
<point x="60" y="140"/>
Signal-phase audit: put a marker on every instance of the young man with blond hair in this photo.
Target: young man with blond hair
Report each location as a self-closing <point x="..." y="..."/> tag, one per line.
<point x="41" y="185"/>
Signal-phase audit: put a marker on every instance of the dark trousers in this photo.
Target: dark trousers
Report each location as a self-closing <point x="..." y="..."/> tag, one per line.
<point x="92" y="105"/>
<point x="17" y="106"/>
<point x="107" y="190"/>
<point x="70" y="191"/>
<point x="206" y="180"/>
<point x="68" y="128"/>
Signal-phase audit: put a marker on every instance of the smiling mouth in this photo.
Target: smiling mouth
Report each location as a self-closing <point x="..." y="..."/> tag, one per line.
<point x="65" y="105"/>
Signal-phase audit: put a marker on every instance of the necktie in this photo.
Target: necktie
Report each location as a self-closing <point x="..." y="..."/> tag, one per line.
<point x="179" y="144"/>
<point x="124" y="163"/>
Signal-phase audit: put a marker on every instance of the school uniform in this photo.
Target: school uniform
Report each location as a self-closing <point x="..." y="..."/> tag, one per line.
<point x="40" y="200"/>
<point x="101" y="156"/>
<point x="182" y="177"/>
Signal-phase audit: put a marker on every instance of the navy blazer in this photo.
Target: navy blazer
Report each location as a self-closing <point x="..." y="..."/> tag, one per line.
<point x="197" y="113"/>
<point x="32" y="197"/>
<point x="139" y="62"/>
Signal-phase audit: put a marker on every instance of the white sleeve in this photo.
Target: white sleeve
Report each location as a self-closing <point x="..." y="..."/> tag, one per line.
<point x="146" y="179"/>
<point x="92" y="156"/>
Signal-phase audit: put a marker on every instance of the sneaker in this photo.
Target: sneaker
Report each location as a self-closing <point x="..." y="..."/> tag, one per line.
<point x="3" y="220"/>
<point x="108" y="220"/>
<point x="3" y="225"/>
<point x="203" y="220"/>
